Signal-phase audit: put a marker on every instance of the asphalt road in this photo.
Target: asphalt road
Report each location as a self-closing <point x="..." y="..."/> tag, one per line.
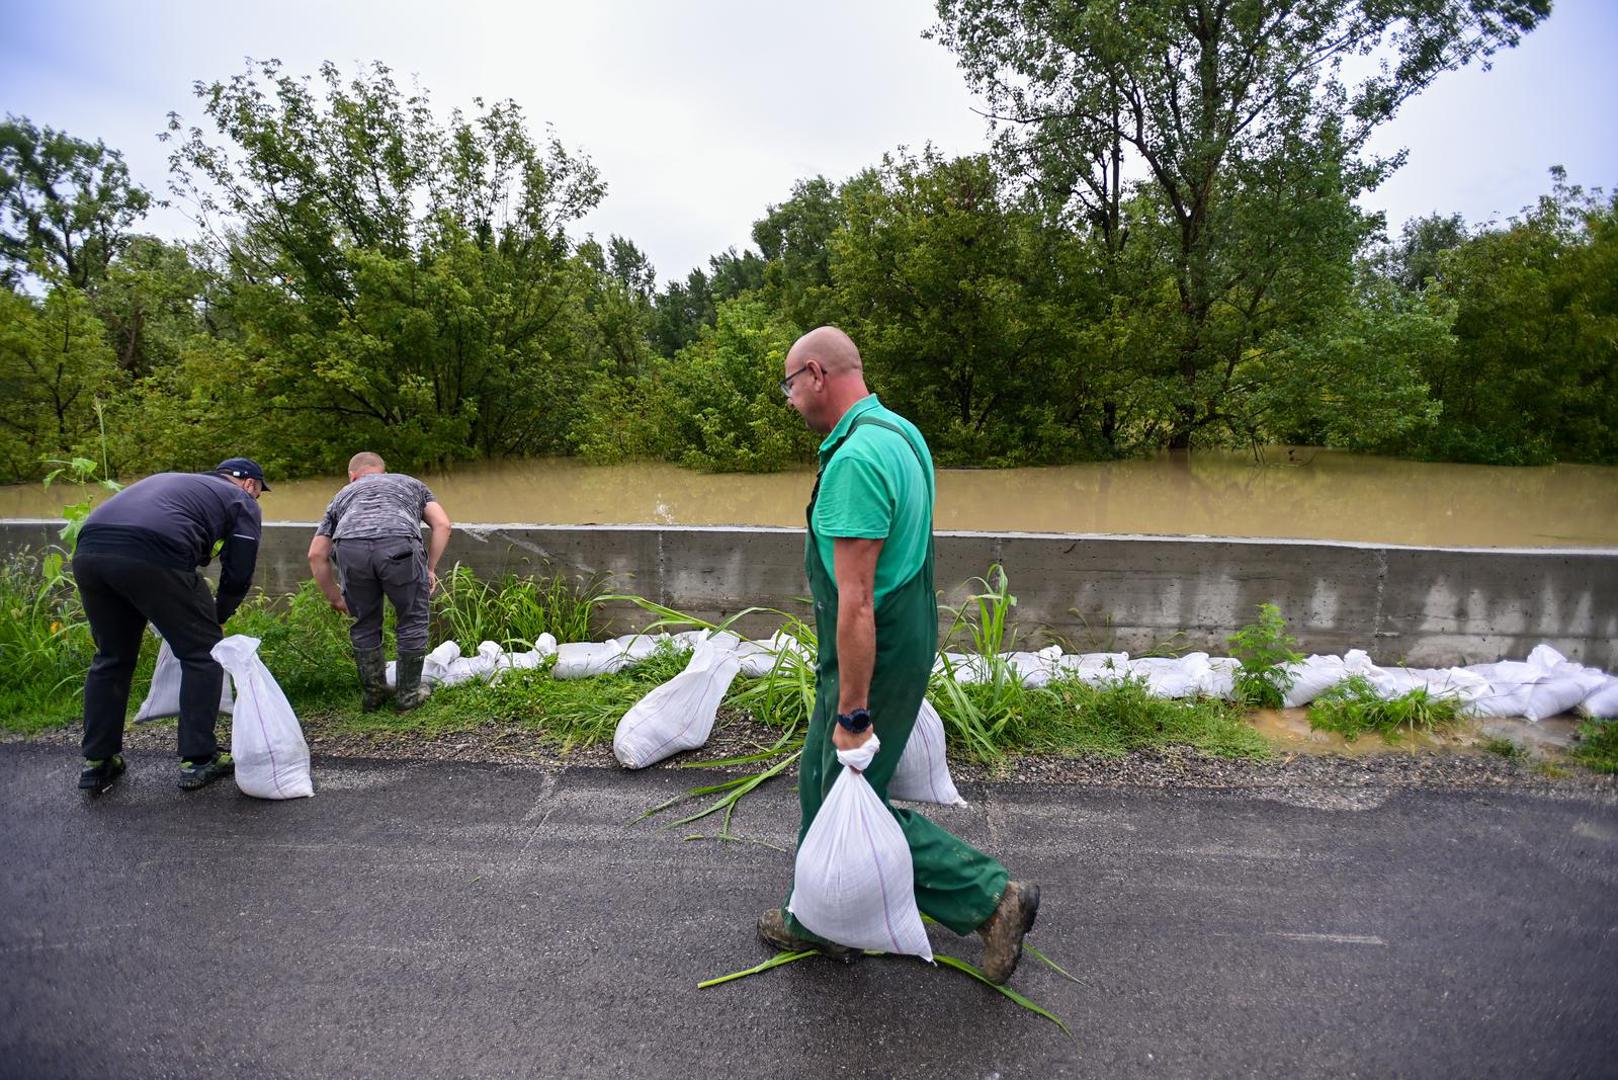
<point x="455" y="920"/>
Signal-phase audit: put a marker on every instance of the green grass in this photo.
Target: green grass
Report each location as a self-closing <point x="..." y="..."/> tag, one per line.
<point x="45" y="645"/>
<point x="1071" y="717"/>
<point x="1504" y="748"/>
<point x="1352" y="708"/>
<point x="1597" y="748"/>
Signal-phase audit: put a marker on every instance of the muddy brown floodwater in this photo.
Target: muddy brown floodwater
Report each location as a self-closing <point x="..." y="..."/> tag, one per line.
<point x="1302" y="493"/>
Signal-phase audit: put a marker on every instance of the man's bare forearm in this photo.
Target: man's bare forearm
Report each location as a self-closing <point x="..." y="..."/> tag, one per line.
<point x="856" y="652"/>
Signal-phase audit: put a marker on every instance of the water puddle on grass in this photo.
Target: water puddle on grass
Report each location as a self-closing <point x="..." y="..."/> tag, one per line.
<point x="1288" y="731"/>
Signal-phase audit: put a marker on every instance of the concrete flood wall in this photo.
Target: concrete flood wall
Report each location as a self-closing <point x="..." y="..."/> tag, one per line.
<point x="1421" y="606"/>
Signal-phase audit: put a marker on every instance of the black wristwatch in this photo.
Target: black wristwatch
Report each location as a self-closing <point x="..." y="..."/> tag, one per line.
<point x="856" y="721"/>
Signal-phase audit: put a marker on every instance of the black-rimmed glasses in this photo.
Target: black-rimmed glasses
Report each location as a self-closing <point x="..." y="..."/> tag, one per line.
<point x="786" y="383"/>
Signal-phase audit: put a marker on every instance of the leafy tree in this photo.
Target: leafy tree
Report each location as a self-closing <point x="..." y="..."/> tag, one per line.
<point x="400" y="282"/>
<point x="1534" y="375"/>
<point x="794" y="239"/>
<point x="1414" y="259"/>
<point x="949" y="292"/>
<point x="54" y="364"/>
<point x="66" y="205"/>
<point x="1354" y="379"/>
<point x="715" y="406"/>
<point x="616" y="284"/>
<point x="684" y="308"/>
<point x="680" y="312"/>
<point x="153" y="298"/>
<point x="1205" y="98"/>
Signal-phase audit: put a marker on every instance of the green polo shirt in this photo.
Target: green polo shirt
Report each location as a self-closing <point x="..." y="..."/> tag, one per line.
<point x="875" y="487"/>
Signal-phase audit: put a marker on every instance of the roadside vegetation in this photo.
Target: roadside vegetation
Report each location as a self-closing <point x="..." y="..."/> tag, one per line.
<point x="989" y="715"/>
<point x="1352" y="708"/>
<point x="1597" y="748"/>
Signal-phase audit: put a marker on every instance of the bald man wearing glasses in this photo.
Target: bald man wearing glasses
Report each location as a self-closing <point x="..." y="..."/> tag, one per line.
<point x="869" y="560"/>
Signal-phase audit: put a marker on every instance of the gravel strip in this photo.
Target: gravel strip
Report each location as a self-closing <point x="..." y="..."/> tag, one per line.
<point x="1328" y="776"/>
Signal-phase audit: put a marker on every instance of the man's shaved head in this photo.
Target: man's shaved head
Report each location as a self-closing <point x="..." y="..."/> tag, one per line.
<point x="828" y="346"/>
<point x="365" y="461"/>
<point x="824" y="377"/>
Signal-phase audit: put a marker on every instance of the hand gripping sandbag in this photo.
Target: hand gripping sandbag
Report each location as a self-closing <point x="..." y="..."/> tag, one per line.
<point x="678" y="715"/>
<point x="922" y="774"/>
<point x="163" y="699"/>
<point x="272" y="760"/>
<point x="854" y="883"/>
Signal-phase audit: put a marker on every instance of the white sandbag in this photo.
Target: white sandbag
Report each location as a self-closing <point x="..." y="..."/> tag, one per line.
<point x="756" y="659"/>
<point x="584" y="659"/>
<point x="1507" y="675"/>
<point x="1545" y="658"/>
<point x="854" y="880"/>
<point x="1507" y="701"/>
<point x="678" y="715"/>
<point x="1602" y="703"/>
<point x="1169" y="676"/>
<point x="434" y="666"/>
<point x="1316" y="674"/>
<point x="1219" y="681"/>
<point x="922" y="774"/>
<point x="527" y="660"/>
<point x="1037" y="668"/>
<point x="1513" y="683"/>
<point x="1557" y="694"/>
<point x="480" y="665"/>
<point x="1564" y="686"/>
<point x="163" y="699"/>
<point x="1456" y="684"/>
<point x="633" y="648"/>
<point x="1092" y="668"/>
<point x="272" y="760"/>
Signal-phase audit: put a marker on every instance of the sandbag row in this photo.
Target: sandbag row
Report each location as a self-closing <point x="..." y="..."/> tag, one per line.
<point x="1545" y="684"/>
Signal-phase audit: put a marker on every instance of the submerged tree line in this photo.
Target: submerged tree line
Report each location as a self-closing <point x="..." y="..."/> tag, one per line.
<point x="1162" y="249"/>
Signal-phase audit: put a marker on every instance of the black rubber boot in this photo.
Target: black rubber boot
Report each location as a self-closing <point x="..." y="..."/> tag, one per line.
<point x="373" y="678"/>
<point x="409" y="691"/>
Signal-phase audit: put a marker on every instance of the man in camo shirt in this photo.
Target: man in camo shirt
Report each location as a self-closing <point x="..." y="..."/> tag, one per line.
<point x="374" y="526"/>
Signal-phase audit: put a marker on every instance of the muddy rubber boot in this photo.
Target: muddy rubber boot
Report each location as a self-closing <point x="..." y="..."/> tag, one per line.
<point x="410" y="690"/>
<point x="1003" y="932"/>
<point x="772" y="929"/>
<point x="373" y="678"/>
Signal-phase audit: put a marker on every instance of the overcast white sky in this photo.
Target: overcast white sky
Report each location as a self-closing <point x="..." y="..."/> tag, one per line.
<point x="700" y="114"/>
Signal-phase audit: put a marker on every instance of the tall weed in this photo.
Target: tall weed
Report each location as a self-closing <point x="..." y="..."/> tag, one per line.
<point x="1264" y="649"/>
<point x="514" y="611"/>
<point x="978" y="711"/>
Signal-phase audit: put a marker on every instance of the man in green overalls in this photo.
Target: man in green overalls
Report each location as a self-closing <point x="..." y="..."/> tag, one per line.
<point x="869" y="558"/>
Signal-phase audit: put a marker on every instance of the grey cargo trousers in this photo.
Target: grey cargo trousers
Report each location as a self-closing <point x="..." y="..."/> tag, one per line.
<point x="394" y="567"/>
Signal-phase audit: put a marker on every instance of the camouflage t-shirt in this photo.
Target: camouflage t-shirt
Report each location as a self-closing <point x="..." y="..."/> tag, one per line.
<point x="378" y="505"/>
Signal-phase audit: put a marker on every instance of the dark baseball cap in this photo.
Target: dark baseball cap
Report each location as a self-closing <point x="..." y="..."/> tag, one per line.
<point x="242" y="468"/>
